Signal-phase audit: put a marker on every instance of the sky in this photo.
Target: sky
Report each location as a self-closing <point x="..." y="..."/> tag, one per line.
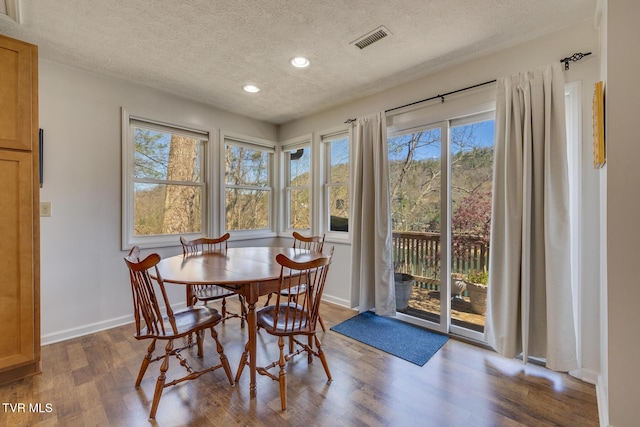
<point x="483" y="132"/>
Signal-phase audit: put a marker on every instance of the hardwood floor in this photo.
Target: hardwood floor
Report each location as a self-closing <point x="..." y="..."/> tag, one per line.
<point x="89" y="381"/>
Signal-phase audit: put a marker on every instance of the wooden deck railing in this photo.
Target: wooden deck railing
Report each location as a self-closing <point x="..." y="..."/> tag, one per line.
<point x="418" y="254"/>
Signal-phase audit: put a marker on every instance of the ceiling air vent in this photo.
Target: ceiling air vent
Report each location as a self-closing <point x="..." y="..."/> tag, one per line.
<point x="371" y="37"/>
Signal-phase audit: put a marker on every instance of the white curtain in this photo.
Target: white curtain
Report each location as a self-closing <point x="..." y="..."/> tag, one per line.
<point x="530" y="302"/>
<point x="370" y="220"/>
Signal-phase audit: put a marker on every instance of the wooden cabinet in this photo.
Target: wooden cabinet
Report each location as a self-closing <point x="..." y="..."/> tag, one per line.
<point x="19" y="211"/>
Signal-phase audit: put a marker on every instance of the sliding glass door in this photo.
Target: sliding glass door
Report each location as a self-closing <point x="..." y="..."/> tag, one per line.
<point x="441" y="177"/>
<point x="416" y="170"/>
<point x="470" y="189"/>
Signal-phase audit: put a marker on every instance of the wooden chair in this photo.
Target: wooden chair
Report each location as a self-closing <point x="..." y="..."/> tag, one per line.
<point x="208" y="293"/>
<point x="292" y="316"/>
<point x="152" y="324"/>
<point x="312" y="243"/>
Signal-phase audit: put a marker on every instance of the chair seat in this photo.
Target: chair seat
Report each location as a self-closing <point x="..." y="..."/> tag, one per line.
<point x="212" y="292"/>
<point x="188" y="320"/>
<point x="265" y="318"/>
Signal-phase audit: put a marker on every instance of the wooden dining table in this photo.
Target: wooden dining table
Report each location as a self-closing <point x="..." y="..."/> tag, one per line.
<point x="249" y="271"/>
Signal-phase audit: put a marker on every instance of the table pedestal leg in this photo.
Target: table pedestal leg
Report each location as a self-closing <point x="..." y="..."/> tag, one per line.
<point x="253" y="330"/>
<point x="189" y="295"/>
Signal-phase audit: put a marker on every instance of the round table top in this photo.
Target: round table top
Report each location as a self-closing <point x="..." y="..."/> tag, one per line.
<point x="236" y="266"/>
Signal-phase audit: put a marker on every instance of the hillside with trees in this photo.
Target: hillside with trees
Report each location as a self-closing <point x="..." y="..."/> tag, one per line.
<point x="415" y="171"/>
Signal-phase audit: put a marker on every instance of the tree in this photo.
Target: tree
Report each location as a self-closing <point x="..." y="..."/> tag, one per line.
<point x="471" y="227"/>
<point x="163" y="202"/>
<point x="415" y="170"/>
<point x="414" y="173"/>
<point x="299" y="164"/>
<point x="149" y="159"/>
<point x="247" y="192"/>
<point x="182" y="205"/>
<point x="149" y="163"/>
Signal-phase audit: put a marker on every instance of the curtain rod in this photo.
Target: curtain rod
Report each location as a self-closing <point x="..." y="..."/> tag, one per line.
<point x="441" y="96"/>
<point x="573" y="58"/>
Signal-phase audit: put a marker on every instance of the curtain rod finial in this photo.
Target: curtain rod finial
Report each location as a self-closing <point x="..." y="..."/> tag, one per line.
<point x="573" y="58"/>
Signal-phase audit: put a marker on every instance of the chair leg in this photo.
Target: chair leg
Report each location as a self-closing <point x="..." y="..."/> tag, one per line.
<point x="282" y="378"/>
<point x="194" y="300"/>
<point x="268" y="299"/>
<point x="224" y="309"/>
<point x="199" y="342"/>
<point x="243" y="361"/>
<point x="223" y="358"/>
<point x="243" y="310"/>
<point x="145" y="362"/>
<point x="323" y="359"/>
<point x="161" y="379"/>
<point x="322" y="323"/>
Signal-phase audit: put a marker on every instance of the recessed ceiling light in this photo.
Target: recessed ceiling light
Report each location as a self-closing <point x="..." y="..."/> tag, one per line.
<point x="251" y="88"/>
<point x="300" y="62"/>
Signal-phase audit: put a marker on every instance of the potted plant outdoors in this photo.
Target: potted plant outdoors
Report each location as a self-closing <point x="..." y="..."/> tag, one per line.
<point x="458" y="285"/>
<point x="404" y="285"/>
<point x="477" y="284"/>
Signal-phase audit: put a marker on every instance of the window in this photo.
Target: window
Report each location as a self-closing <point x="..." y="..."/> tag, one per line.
<point x="164" y="187"/>
<point x="248" y="185"/>
<point x="297" y="170"/>
<point x="337" y="181"/>
<point x="414" y="175"/>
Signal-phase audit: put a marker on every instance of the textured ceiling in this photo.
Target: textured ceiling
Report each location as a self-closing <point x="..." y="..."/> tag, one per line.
<point x="207" y="49"/>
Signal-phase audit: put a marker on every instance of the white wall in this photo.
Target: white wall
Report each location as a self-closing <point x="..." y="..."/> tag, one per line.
<point x="579" y="38"/>
<point x="623" y="205"/>
<point x="84" y="285"/>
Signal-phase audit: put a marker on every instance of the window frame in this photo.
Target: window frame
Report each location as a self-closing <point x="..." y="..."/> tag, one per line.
<point x="285" y="181"/>
<point x="257" y="144"/>
<point x="573" y="115"/>
<point x="128" y="181"/>
<point x="325" y="140"/>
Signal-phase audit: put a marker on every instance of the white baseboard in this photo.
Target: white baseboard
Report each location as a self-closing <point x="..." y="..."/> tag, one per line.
<point x="589" y="376"/>
<point x="337" y="301"/>
<point x="92" y="328"/>
<point x="79" y="331"/>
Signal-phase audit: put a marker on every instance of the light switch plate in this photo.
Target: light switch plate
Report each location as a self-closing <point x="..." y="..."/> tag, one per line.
<point x="45" y="208"/>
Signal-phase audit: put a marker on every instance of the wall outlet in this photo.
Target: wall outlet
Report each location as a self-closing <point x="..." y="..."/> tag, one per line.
<point x="45" y="208"/>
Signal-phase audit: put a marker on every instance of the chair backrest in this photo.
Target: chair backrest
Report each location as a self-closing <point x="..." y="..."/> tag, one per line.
<point x="204" y="244"/>
<point x="299" y="311"/>
<point x="146" y="304"/>
<point x="312" y="243"/>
